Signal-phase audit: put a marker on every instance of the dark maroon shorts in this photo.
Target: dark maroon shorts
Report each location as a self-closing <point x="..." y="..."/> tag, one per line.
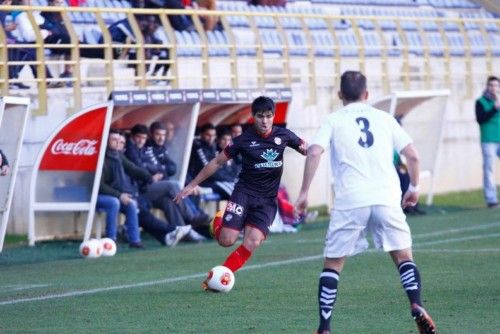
<point x="243" y="209"/>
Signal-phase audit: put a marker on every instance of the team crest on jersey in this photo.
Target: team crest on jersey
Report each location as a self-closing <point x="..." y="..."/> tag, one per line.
<point x="234" y="208"/>
<point x="254" y="143"/>
<point x="277" y="140"/>
<point x="229" y="217"/>
<point x="270" y="155"/>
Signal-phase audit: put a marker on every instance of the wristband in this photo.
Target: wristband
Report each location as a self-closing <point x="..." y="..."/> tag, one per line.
<point x="413" y="189"/>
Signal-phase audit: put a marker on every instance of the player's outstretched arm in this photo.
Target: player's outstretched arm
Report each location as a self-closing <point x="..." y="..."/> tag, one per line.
<point x="312" y="162"/>
<point x="204" y="174"/>
<point x="410" y="197"/>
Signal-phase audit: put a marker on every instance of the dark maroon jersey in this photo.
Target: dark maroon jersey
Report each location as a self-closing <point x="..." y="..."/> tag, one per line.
<point x="262" y="159"/>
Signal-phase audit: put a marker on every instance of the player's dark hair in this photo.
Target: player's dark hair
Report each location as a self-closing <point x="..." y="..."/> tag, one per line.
<point x="139" y="129"/>
<point x="207" y="126"/>
<point x="262" y="103"/>
<point x="352" y="85"/>
<point x="492" y="78"/>
<point x="157" y="126"/>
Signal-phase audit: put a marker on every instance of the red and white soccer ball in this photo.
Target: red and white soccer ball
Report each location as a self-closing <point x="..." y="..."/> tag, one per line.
<point x="91" y="248"/>
<point x="220" y="279"/>
<point x="108" y="247"/>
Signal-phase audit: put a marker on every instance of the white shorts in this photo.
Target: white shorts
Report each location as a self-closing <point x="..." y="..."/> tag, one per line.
<point x="347" y="231"/>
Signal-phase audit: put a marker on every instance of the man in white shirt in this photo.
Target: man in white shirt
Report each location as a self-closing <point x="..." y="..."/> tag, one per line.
<point x="362" y="141"/>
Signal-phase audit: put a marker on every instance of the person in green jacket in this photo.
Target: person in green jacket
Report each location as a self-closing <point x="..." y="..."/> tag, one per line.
<point x="488" y="117"/>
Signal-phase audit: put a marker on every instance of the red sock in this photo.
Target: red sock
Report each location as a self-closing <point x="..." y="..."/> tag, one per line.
<point x="216" y="225"/>
<point x="237" y="258"/>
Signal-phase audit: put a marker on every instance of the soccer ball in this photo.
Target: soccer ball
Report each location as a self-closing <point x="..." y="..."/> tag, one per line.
<point x="220" y="279"/>
<point x="91" y="248"/>
<point x="108" y="247"/>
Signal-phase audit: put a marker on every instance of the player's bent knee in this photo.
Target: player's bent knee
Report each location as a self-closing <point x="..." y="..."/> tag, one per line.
<point x="227" y="240"/>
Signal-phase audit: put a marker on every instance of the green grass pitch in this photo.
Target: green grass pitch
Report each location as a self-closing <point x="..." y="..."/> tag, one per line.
<point x="50" y="289"/>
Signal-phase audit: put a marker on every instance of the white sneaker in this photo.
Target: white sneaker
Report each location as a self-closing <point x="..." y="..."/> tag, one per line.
<point x="195" y="236"/>
<point x="173" y="238"/>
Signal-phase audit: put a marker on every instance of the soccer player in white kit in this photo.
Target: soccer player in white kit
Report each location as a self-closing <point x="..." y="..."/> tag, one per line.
<point x="362" y="141"/>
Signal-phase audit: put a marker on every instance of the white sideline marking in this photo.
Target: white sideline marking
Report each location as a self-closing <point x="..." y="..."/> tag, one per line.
<point x="433" y="234"/>
<point x="200" y="275"/>
<point x="483" y="250"/>
<point x="457" y="230"/>
<point x="17" y="287"/>
<point x="142" y="284"/>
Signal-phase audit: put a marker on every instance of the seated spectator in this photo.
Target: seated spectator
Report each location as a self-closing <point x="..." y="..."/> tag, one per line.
<point x="161" y="192"/>
<point x="121" y="32"/>
<point x="236" y="130"/>
<point x="58" y="34"/>
<point x="178" y="22"/>
<point x="111" y="206"/>
<point x="231" y="168"/>
<point x="204" y="149"/>
<point x="279" y="3"/>
<point x="4" y="164"/>
<point x="14" y="54"/>
<point x="210" y="22"/>
<point x="25" y="34"/>
<point x="119" y="179"/>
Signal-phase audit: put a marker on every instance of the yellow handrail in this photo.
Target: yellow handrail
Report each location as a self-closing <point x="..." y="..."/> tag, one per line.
<point x="287" y="62"/>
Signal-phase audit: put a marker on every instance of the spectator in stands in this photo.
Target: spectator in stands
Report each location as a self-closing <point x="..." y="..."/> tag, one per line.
<point x="178" y="22"/>
<point x="14" y="54"/>
<point x="161" y="192"/>
<point x="236" y="130"/>
<point x="25" y="34"/>
<point x="231" y="168"/>
<point x="122" y="32"/>
<point x="280" y="3"/>
<point x="210" y="22"/>
<point x="58" y="34"/>
<point x="119" y="179"/>
<point x="4" y="164"/>
<point x="488" y="117"/>
<point x="204" y="150"/>
<point x="170" y="134"/>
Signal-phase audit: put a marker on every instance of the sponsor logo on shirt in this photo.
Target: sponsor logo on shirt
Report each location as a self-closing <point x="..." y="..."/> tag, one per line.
<point x="234" y="208"/>
<point x="229" y="217"/>
<point x="270" y="155"/>
<point x="277" y="140"/>
<point x="254" y="144"/>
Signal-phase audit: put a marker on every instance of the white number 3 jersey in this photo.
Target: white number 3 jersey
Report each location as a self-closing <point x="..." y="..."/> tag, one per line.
<point x="362" y="141"/>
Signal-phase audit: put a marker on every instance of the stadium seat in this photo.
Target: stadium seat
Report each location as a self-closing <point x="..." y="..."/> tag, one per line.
<point x="296" y="43"/>
<point x="182" y="49"/>
<point x="323" y="43"/>
<point x="456" y="45"/>
<point x="372" y="44"/>
<point x="435" y="44"/>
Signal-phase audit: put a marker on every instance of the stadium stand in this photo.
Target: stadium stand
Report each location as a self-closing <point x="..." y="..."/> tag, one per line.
<point x="401" y="44"/>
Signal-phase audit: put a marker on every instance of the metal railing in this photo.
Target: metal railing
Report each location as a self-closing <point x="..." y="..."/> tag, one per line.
<point x="286" y="61"/>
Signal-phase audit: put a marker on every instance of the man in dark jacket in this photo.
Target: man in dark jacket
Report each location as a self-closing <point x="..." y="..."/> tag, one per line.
<point x="119" y="176"/>
<point x="155" y="159"/>
<point x="204" y="149"/>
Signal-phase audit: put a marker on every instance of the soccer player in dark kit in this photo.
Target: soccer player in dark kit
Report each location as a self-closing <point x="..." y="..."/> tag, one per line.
<point x="252" y="205"/>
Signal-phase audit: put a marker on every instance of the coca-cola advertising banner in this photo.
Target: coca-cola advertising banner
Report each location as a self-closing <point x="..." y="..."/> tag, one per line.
<point x="76" y="146"/>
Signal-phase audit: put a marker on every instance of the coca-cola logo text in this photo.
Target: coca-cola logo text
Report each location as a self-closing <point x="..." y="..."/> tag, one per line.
<point x="82" y="147"/>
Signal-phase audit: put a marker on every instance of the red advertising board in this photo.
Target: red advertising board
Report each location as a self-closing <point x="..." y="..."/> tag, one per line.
<point x="76" y="146"/>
